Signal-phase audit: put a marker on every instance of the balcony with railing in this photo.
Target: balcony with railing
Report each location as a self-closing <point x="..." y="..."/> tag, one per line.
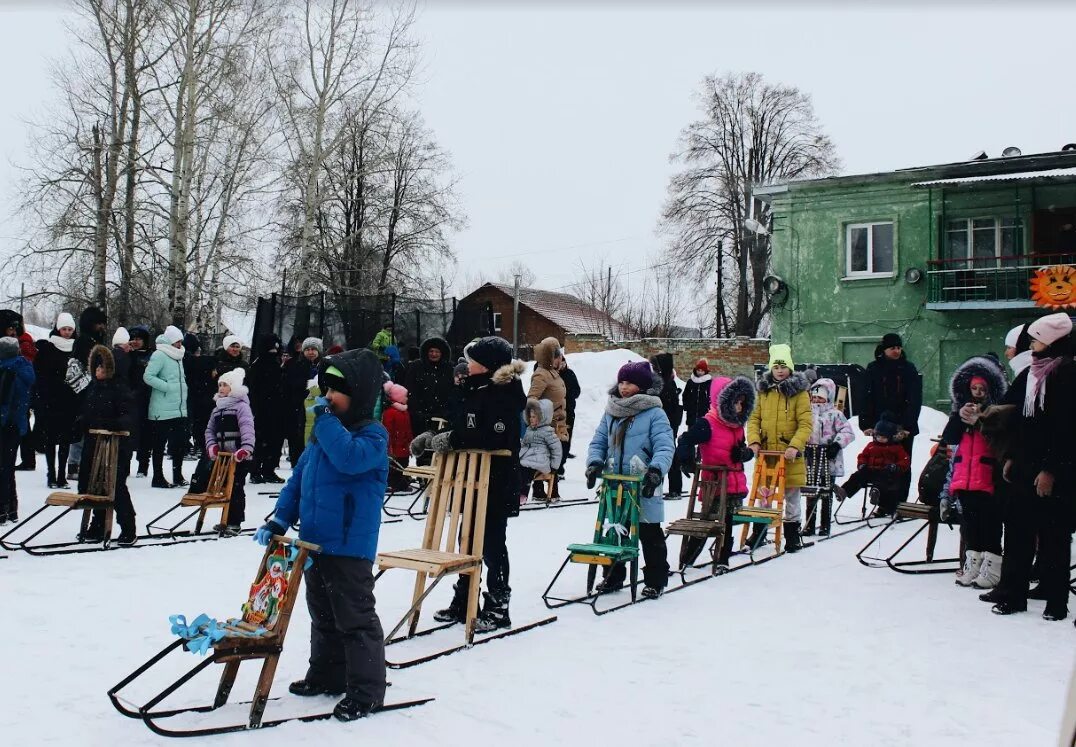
<point x="986" y="282"/>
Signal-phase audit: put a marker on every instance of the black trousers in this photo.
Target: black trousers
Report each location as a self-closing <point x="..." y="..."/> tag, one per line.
<point x="813" y="510"/>
<point x="347" y="644"/>
<point x="655" y="554"/>
<point x="980" y="524"/>
<point x="199" y="420"/>
<point x="495" y="558"/>
<point x="268" y="444"/>
<point x="676" y="477"/>
<point x="1027" y="517"/>
<point x="888" y="485"/>
<point x="295" y="435"/>
<point x="26" y="447"/>
<point x="56" y="460"/>
<point x="904" y="485"/>
<point x="125" y="513"/>
<point x="171" y="436"/>
<point x="237" y="504"/>
<point x="9" y="449"/>
<point x="143" y="441"/>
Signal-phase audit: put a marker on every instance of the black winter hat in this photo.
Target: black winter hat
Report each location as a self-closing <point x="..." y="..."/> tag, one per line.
<point x="461" y="368"/>
<point x="364" y="378"/>
<point x="192" y="343"/>
<point x="891" y="340"/>
<point x="491" y="352"/>
<point x="886" y="427"/>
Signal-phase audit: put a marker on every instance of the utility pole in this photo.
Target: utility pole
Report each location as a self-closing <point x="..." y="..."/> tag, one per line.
<point x="22" y="301"/>
<point x="720" y="283"/>
<point x="608" y="297"/>
<point x="515" y="318"/>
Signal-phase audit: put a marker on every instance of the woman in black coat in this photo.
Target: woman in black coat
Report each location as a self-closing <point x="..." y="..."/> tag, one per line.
<point x="265" y="379"/>
<point x="697" y="392"/>
<point x="670" y="403"/>
<point x="55" y="403"/>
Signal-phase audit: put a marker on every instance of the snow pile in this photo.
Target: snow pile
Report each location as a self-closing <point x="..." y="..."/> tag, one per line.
<point x="811" y="649"/>
<point x="38" y="333"/>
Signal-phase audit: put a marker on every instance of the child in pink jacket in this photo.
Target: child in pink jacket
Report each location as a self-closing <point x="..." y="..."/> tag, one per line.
<point x="719" y="437"/>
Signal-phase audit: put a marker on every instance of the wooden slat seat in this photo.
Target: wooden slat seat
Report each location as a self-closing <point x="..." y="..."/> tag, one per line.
<point x="206" y="500"/>
<point x="917" y="511"/>
<point x="696" y="527"/>
<point x="622" y="552"/>
<point x="429" y="561"/>
<point x="421" y="472"/>
<point x="74" y="500"/>
<point x="767" y="487"/>
<point x="452" y="542"/>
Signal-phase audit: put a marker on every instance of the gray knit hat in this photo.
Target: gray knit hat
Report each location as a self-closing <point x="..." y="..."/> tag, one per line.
<point x="313" y="342"/>
<point x="9" y="348"/>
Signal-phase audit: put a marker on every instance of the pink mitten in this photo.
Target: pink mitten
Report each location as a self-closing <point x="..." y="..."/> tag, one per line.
<point x="241" y="455"/>
<point x="212" y="451"/>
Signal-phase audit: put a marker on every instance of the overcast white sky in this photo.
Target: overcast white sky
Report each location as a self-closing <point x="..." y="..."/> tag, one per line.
<point x="561" y="119"/>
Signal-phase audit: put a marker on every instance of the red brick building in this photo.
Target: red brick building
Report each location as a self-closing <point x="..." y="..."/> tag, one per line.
<point x="489" y="310"/>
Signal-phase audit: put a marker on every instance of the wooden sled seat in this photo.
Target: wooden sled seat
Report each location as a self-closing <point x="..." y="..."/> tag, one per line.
<point x="600" y="554"/>
<point x="78" y="500"/>
<point x="758" y="515"/>
<point x="918" y="511"/>
<point x="205" y="500"/>
<point x="420" y="472"/>
<point x="701" y="528"/>
<point x="433" y="562"/>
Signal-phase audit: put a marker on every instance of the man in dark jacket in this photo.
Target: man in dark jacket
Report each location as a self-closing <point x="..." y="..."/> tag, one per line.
<point x="670" y="403"/>
<point x="141" y="349"/>
<point x="92" y="331"/>
<point x="265" y="378"/>
<point x="198" y="370"/>
<point x="489" y="418"/>
<point x="11" y="325"/>
<point x="572" y="392"/>
<point x="894" y="386"/>
<point x="335" y="492"/>
<point x="298" y="372"/>
<point x="429" y="385"/>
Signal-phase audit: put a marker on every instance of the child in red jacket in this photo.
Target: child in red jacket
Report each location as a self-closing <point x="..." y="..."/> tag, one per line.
<point x="882" y="464"/>
<point x="719" y="436"/>
<point x="398" y="423"/>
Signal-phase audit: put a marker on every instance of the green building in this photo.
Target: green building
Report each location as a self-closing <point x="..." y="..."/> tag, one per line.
<point x="942" y="255"/>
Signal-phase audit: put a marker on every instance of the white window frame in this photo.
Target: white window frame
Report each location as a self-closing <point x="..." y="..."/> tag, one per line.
<point x="969" y="238"/>
<point x="497" y="321"/>
<point x="869" y="272"/>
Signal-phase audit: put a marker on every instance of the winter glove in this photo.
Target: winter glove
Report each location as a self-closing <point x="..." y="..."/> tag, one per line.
<point x="688" y="468"/>
<point x="891" y="468"/>
<point x="265" y="535"/>
<point x="442" y="442"/>
<point x="321" y="407"/>
<point x="242" y="455"/>
<point x="945" y="510"/>
<point x="791" y="453"/>
<point x="593" y="473"/>
<point x="420" y="443"/>
<point x="832" y="450"/>
<point x="651" y="482"/>
<point x="741" y="454"/>
<point x="212" y="451"/>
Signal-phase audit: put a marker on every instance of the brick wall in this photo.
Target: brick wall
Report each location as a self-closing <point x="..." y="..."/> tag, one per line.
<point x="729" y="356"/>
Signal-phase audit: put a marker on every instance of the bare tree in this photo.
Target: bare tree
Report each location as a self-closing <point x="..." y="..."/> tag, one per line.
<point x="601" y="286"/>
<point x="752" y="132"/>
<point x="527" y="276"/>
<point x="338" y="61"/>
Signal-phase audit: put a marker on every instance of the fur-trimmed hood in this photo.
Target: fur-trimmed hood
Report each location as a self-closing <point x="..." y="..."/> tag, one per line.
<point x="723" y="395"/>
<point x="960" y="383"/>
<point x="101" y="356"/>
<point x="543" y="407"/>
<point x="545" y="352"/>
<point x="827" y="387"/>
<point x="508" y="373"/>
<point x="790" y="387"/>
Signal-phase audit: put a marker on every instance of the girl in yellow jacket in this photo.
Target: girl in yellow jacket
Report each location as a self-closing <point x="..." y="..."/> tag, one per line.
<point x="782" y="421"/>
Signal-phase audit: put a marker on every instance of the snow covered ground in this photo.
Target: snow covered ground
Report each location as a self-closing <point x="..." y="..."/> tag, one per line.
<point x="811" y="649"/>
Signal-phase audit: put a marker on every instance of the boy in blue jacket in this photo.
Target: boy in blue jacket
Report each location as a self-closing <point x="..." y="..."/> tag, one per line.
<point x="336" y="491"/>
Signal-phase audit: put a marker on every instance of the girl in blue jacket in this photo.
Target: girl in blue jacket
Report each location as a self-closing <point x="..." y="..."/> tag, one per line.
<point x="634" y="436"/>
<point x="16" y="380"/>
<point x="336" y="491"/>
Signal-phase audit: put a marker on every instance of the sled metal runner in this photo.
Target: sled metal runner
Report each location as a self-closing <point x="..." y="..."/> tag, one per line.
<point x="930" y="519"/>
<point x="154" y="719"/>
<point x="545" y="505"/>
<point x="476" y="641"/>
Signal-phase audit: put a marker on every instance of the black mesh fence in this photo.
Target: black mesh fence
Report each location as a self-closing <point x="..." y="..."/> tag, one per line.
<point x="353" y="321"/>
<point x="471" y="320"/>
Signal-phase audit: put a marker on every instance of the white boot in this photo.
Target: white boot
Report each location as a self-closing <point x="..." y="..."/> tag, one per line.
<point x="973" y="561"/>
<point x="989" y="572"/>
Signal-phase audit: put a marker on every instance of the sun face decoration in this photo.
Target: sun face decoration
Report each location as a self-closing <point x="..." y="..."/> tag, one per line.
<point x="1054" y="287"/>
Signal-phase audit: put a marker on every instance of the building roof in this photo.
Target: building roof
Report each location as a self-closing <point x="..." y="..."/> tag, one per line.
<point x="1018" y="176"/>
<point x="568" y="312"/>
<point x="986" y="169"/>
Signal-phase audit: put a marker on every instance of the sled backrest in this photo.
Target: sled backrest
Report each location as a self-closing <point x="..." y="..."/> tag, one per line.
<point x="706" y="490"/>
<point x="456" y="521"/>
<point x="106" y="454"/>
<point x="276" y="585"/>
<point x="221" y="477"/>
<point x="768" y="480"/>
<point x="618" y="511"/>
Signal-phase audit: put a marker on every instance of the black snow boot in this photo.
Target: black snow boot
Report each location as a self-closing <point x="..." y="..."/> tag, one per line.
<point x="827" y="511"/>
<point x="494" y="615"/>
<point x="793" y="543"/>
<point x="455" y="612"/>
<point x="177" y="476"/>
<point x="351" y="708"/>
<point x="305" y="688"/>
